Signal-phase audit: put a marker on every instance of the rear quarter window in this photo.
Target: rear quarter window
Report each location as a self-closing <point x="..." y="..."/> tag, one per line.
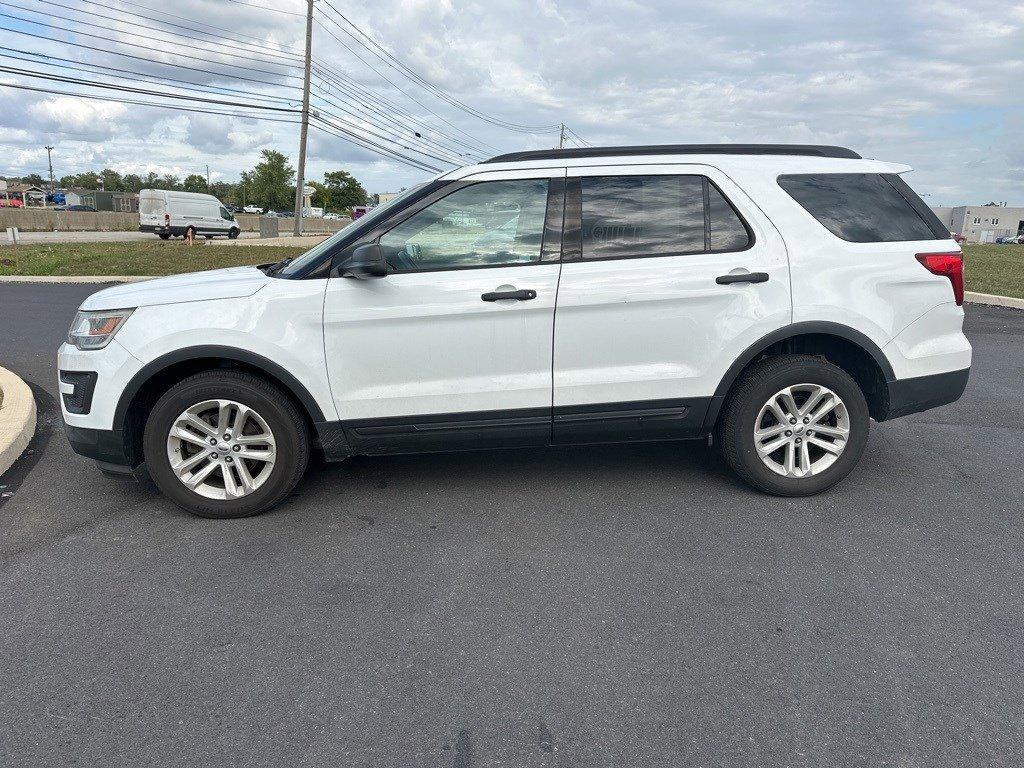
<point x="864" y="207"/>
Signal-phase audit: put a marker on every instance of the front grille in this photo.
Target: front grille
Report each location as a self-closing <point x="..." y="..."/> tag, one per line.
<point x="78" y="401"/>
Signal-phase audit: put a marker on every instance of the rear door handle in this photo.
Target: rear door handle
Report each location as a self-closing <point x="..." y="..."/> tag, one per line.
<point x="524" y="294"/>
<point x="742" y="277"/>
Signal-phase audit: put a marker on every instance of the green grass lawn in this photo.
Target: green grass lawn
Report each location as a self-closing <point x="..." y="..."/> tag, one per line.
<point x="132" y="258"/>
<point x="995" y="269"/>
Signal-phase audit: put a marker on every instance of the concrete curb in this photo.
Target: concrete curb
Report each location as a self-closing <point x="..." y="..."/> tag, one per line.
<point x="17" y="418"/>
<point x="995" y="301"/>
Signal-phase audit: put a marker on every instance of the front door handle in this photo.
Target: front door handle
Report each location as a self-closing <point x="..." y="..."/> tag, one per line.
<point x="742" y="277"/>
<point x="521" y="295"/>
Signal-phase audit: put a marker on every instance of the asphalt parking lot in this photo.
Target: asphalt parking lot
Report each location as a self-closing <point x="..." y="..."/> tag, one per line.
<point x="613" y="606"/>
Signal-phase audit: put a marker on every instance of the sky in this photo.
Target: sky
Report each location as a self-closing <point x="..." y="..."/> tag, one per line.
<point x="933" y="84"/>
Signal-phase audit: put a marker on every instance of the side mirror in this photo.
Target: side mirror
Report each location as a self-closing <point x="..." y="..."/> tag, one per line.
<point x="366" y="262"/>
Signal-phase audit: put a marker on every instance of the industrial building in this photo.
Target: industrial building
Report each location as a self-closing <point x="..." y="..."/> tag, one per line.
<point x="982" y="223"/>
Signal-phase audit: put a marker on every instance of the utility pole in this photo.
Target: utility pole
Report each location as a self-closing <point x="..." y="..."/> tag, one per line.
<point x="561" y="136"/>
<point x="300" y="180"/>
<point x="207" y="177"/>
<point x="49" y="161"/>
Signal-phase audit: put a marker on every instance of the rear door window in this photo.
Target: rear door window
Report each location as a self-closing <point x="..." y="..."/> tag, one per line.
<point x="640" y="216"/>
<point x="864" y="207"/>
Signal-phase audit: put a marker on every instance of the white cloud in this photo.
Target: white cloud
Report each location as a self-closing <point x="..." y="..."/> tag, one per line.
<point x="929" y="82"/>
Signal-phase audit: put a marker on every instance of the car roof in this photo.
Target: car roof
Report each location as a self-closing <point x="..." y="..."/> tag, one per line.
<point x="740" y="159"/>
<point x="573" y="153"/>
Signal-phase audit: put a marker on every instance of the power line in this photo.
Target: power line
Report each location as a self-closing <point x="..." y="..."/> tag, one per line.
<point x="342" y="82"/>
<point x="141" y="91"/>
<point x="579" y="138"/>
<point x="399" y="65"/>
<point x="265" y="8"/>
<point x="157" y="39"/>
<point x="394" y="139"/>
<point x="324" y="94"/>
<point x="485" y="146"/>
<point x="228" y="75"/>
<point x="230" y="35"/>
<point x="138" y="102"/>
<point x="147" y="92"/>
<point x="341" y="133"/>
<point x="141" y="76"/>
<point x="248" y="49"/>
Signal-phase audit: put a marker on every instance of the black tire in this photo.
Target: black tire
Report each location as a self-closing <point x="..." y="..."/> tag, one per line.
<point x="232" y="233"/>
<point x="274" y="406"/>
<point x="165" y="236"/>
<point x="208" y="237"/>
<point x="750" y="393"/>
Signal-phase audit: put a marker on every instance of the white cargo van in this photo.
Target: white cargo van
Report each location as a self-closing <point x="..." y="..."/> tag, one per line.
<point x="168" y="213"/>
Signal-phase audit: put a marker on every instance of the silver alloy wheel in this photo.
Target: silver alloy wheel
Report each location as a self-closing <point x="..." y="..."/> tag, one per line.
<point x="221" y="449"/>
<point x="802" y="430"/>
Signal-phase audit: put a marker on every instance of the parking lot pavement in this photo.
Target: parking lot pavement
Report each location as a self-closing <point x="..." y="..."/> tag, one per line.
<point x="610" y="606"/>
<point x="27" y="238"/>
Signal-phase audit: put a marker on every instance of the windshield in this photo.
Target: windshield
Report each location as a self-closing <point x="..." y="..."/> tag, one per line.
<point x="363" y="222"/>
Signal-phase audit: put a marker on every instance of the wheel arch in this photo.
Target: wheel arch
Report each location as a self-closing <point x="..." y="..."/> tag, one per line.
<point x="846" y="347"/>
<point x="146" y="386"/>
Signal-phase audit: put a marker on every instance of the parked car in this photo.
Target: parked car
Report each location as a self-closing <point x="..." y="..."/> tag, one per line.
<point x="252" y="209"/>
<point x="774" y="298"/>
<point x="167" y="213"/>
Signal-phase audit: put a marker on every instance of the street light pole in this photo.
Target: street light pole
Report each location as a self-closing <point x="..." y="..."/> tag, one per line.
<point x="301" y="176"/>
<point x="561" y="136"/>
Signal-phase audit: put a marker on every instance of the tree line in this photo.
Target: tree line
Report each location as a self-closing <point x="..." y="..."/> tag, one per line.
<point x="269" y="185"/>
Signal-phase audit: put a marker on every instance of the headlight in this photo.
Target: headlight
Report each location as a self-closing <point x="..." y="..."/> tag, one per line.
<point x="94" y="330"/>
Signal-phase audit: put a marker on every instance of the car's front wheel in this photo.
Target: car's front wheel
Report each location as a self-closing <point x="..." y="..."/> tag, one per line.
<point x="794" y="425"/>
<point x="233" y="233"/>
<point x="225" y="444"/>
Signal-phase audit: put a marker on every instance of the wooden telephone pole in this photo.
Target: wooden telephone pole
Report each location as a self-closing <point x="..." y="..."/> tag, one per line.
<point x="300" y="180"/>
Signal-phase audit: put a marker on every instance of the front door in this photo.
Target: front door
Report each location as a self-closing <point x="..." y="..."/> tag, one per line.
<point x="453" y="347"/>
<point x="669" y="273"/>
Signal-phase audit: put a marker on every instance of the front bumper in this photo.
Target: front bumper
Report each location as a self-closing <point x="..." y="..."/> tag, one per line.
<point x="921" y="393"/>
<point x="103" y="445"/>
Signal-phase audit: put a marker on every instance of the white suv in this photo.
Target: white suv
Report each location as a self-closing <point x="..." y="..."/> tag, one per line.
<point x="778" y="297"/>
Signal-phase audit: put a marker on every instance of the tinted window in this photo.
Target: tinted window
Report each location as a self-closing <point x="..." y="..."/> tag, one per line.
<point x="627" y="216"/>
<point x="486" y="224"/>
<point x="858" y="207"/>
<point x="726" y="230"/>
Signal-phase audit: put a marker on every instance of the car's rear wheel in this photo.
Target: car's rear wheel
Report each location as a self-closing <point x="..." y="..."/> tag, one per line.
<point x="165" y="236"/>
<point x="225" y="444"/>
<point x="794" y="425"/>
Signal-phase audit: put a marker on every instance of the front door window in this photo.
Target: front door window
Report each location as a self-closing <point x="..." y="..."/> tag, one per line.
<point x="492" y="223"/>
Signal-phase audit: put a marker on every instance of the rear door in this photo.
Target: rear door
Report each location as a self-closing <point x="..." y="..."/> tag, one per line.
<point x="669" y="272"/>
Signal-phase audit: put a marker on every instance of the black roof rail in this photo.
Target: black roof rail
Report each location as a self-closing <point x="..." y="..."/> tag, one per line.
<point x="812" y="150"/>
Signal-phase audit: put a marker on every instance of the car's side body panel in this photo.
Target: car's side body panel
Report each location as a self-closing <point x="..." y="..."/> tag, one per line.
<point x="654" y="329"/>
<point x="878" y="289"/>
<point x="282" y="322"/>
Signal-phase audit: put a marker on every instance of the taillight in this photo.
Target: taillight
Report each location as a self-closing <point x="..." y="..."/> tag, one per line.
<point x="949" y="265"/>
